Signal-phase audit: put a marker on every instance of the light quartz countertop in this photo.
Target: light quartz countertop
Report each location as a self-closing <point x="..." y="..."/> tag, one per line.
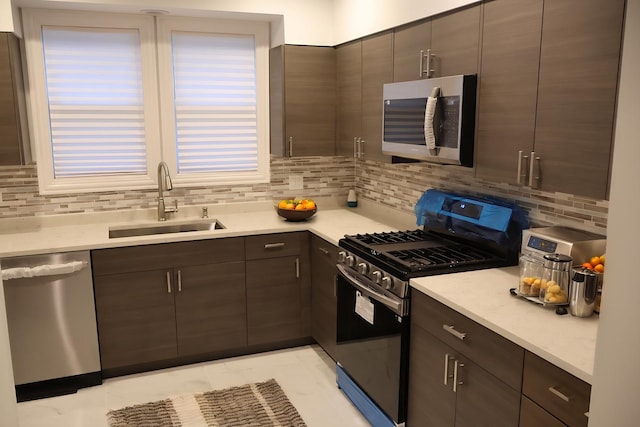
<point x="483" y="295"/>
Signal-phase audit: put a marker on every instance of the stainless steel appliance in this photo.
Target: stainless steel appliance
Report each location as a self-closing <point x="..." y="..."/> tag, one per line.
<point x="578" y="244"/>
<point x="52" y="323"/>
<point x="460" y="233"/>
<point x="431" y="119"/>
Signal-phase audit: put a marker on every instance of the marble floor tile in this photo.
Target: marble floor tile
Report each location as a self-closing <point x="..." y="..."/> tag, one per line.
<point x="306" y="374"/>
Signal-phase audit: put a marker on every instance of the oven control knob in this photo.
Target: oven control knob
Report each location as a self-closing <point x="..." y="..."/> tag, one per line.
<point x="377" y="276"/>
<point x="363" y="268"/>
<point x="342" y="257"/>
<point x="387" y="282"/>
<point x="350" y="260"/>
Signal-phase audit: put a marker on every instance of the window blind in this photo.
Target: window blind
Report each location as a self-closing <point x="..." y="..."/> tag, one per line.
<point x="96" y="109"/>
<point x="215" y="101"/>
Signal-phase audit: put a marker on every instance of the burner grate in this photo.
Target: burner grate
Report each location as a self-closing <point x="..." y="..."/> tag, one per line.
<point x="438" y="256"/>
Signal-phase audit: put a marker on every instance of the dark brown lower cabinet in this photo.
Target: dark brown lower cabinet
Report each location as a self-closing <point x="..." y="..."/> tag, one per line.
<point x="273" y="300"/>
<point x="448" y="389"/>
<point x="278" y="287"/>
<point x="136" y="318"/>
<point x="211" y="311"/>
<point x="324" y="257"/>
<point x="155" y="303"/>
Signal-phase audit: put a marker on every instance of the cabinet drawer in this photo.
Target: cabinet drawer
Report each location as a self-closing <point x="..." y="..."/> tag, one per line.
<point x="555" y="390"/>
<point x="166" y="255"/>
<point x="486" y="348"/>
<point x="324" y="250"/>
<point x="531" y="415"/>
<point x="273" y="245"/>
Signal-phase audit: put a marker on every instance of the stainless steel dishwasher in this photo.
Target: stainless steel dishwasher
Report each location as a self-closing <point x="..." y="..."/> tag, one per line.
<point x="52" y="323"/>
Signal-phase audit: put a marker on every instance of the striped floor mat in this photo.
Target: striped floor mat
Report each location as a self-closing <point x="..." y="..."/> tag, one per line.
<point x="258" y="404"/>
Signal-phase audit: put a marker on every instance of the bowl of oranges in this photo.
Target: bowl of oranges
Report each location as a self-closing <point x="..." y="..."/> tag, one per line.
<point x="296" y="209"/>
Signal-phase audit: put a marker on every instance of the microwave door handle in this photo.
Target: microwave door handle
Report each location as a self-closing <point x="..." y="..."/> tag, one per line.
<point x="429" y="114"/>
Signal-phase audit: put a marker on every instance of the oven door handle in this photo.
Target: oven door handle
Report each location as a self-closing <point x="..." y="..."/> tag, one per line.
<point x="398" y="307"/>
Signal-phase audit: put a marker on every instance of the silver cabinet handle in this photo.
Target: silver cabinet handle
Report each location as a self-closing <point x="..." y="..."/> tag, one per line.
<point x="421" y="64"/>
<point x="290" y="146"/>
<point x="428" y="71"/>
<point x="559" y="394"/>
<point x="428" y="63"/>
<point x="324" y="251"/>
<point x="273" y="245"/>
<point x="168" y="282"/>
<point x="522" y="172"/>
<point x="355" y="147"/>
<point x="447" y="359"/>
<point x="457" y="364"/>
<point x="297" y="268"/>
<point x="360" y="150"/>
<point x="179" y="281"/>
<point x="452" y="330"/>
<point x="534" y="170"/>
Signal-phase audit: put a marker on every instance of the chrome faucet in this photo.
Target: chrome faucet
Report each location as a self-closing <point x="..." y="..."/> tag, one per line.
<point x="164" y="183"/>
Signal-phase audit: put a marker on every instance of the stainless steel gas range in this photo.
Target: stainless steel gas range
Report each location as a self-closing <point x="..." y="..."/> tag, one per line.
<point x="459" y="233"/>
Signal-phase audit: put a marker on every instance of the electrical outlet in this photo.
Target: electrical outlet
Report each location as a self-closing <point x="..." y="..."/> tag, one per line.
<point x="296" y="182"/>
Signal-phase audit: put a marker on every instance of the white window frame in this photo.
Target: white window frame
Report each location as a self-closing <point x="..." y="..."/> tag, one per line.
<point x="158" y="97"/>
<point x="260" y="32"/>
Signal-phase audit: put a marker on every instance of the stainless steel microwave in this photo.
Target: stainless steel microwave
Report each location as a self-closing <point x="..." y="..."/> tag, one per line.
<point x="431" y="119"/>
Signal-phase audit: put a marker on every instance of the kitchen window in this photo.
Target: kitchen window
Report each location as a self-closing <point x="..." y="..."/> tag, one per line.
<point x="113" y="94"/>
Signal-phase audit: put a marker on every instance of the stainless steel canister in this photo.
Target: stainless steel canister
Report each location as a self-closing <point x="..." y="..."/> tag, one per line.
<point x="582" y="292"/>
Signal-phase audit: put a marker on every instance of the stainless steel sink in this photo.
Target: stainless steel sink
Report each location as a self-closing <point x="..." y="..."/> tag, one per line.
<point x="176" y="227"/>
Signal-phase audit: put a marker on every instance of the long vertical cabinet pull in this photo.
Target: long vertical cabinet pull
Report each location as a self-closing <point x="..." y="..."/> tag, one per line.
<point x="179" y="281"/>
<point x="168" y="282"/>
<point x="457" y="364"/>
<point x="360" y="150"/>
<point x="290" y="146"/>
<point x="297" y="268"/>
<point x="534" y="171"/>
<point x="522" y="171"/>
<point x="447" y="358"/>
<point x="355" y="147"/>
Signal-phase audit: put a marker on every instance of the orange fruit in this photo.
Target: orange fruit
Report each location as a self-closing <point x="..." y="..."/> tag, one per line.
<point x="282" y="204"/>
<point x="595" y="260"/>
<point x="587" y="265"/>
<point x="301" y="207"/>
<point x="602" y="259"/>
<point x="311" y="204"/>
<point x="290" y="206"/>
<point x="599" y="268"/>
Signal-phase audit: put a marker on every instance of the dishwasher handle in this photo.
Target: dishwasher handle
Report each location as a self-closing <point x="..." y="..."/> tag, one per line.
<point x="43" y="270"/>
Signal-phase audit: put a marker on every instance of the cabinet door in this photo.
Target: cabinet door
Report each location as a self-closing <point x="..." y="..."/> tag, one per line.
<point x="431" y="401"/>
<point x="324" y="257"/>
<point x="349" y="97"/>
<point x="273" y="300"/>
<point x="511" y="37"/>
<point x="303" y="100"/>
<point x="377" y="69"/>
<point x="11" y="149"/>
<point x="484" y="400"/>
<point x="211" y="308"/>
<point x="577" y="89"/>
<point x="408" y="41"/>
<point x="455" y="42"/>
<point x="136" y="319"/>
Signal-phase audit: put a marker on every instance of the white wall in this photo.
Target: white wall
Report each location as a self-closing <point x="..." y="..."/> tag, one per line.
<point x="356" y="18"/>
<point x="615" y="397"/>
<point x="8" y="408"/>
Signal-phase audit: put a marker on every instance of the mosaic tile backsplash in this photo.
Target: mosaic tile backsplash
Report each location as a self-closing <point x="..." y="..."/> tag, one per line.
<point x="397" y="186"/>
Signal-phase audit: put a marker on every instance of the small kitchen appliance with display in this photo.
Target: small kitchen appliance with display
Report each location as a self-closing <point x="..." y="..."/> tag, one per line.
<point x="548" y="254"/>
<point x="460" y="233"/>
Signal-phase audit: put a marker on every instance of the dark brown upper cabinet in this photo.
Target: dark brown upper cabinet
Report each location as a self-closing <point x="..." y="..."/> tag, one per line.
<point x="14" y="150"/>
<point x="508" y="88"/>
<point x="303" y="100"/>
<point x="363" y="68"/>
<point x="577" y="89"/>
<point x="444" y="45"/>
